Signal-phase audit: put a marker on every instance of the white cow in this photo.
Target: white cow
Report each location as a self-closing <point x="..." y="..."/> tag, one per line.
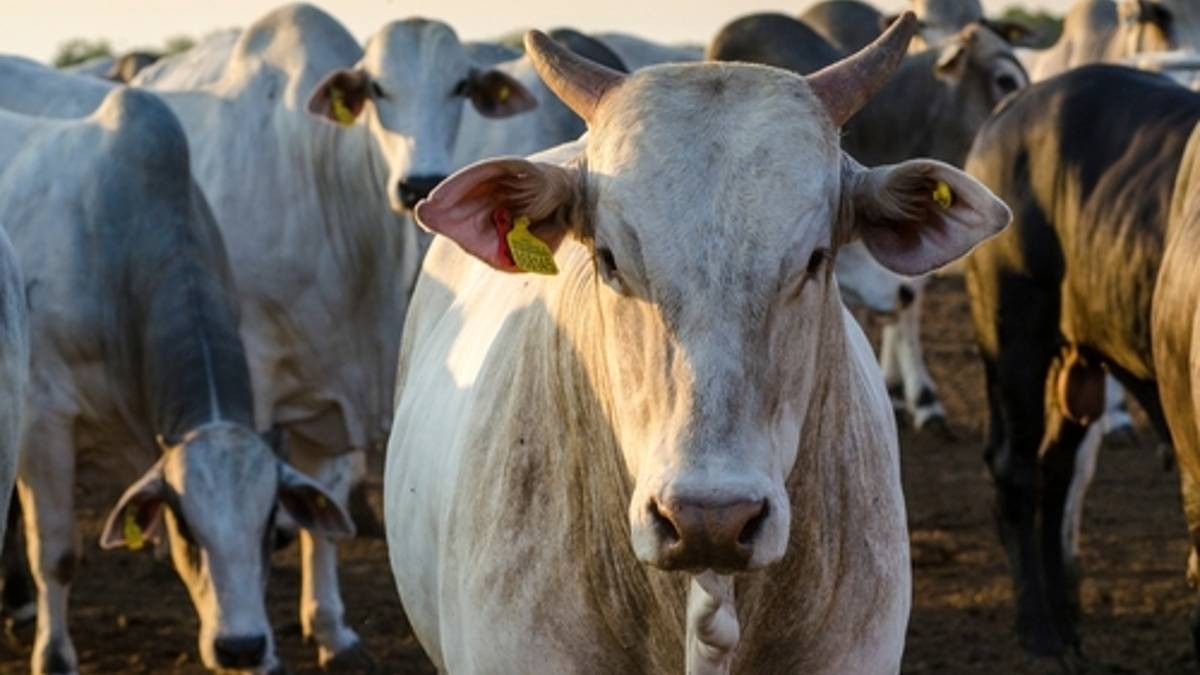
<point x="311" y="150"/>
<point x="579" y="463"/>
<point x="637" y="53"/>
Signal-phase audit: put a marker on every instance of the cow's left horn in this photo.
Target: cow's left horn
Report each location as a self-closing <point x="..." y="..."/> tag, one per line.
<point x="846" y="86"/>
<point x="580" y="83"/>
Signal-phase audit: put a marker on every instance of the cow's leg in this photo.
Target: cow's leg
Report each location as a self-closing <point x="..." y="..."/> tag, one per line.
<point x="1117" y="423"/>
<point x="1017" y="353"/>
<point x="889" y="363"/>
<point x="1075" y="392"/>
<point x="903" y="338"/>
<point x="322" y="614"/>
<point x="19" y="600"/>
<point x="46" y="489"/>
<point x="1190" y="492"/>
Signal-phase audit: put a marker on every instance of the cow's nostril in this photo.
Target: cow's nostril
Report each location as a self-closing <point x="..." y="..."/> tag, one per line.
<point x="753" y="526"/>
<point x="240" y="651"/>
<point x="662" y="524"/>
<point x="907" y="295"/>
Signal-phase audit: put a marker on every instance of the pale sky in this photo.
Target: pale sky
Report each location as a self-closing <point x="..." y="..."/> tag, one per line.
<point x="34" y="28"/>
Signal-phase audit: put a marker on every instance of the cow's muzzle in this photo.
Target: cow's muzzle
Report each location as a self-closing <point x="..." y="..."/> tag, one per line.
<point x="415" y="188"/>
<point x="696" y="535"/>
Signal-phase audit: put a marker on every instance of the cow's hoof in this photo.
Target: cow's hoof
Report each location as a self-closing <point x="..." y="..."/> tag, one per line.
<point x="938" y="428"/>
<point x="1166" y="455"/>
<point x="354" y="659"/>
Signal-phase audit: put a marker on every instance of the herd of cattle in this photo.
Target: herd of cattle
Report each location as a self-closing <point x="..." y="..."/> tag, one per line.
<point x="633" y="426"/>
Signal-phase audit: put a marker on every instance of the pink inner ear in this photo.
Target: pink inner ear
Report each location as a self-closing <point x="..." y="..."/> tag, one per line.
<point x="465" y="207"/>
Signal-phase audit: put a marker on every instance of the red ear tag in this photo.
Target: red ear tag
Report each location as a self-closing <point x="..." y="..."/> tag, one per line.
<point x="502" y="219"/>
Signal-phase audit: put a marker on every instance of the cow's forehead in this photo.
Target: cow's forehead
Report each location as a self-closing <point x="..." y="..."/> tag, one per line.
<point x="414" y="48"/>
<point x="736" y="153"/>
<point x="220" y="465"/>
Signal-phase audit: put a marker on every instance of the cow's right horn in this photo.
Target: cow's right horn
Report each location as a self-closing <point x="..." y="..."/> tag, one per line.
<point x="846" y="86"/>
<point x="580" y="83"/>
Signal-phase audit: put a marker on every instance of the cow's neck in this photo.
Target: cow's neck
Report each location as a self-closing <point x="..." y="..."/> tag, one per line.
<point x="369" y="241"/>
<point x="829" y="489"/>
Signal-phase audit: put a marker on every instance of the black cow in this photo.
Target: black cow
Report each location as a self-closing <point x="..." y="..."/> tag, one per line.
<point x="1087" y="162"/>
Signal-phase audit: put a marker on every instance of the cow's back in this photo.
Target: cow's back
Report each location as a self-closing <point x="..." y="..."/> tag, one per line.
<point x="128" y="281"/>
<point x="1089" y="178"/>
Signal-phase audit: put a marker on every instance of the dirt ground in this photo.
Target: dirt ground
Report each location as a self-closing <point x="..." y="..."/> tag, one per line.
<point x="131" y="615"/>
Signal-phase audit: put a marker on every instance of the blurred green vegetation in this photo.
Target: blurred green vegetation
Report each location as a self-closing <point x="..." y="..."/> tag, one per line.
<point x="78" y="50"/>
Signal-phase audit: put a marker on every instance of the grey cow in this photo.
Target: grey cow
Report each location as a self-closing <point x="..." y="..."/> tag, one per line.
<point x="137" y="362"/>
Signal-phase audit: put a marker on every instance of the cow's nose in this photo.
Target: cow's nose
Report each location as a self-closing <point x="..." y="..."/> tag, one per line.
<point x="243" y="651"/>
<point x="698" y="535"/>
<point x="415" y="188"/>
<point x="906" y="295"/>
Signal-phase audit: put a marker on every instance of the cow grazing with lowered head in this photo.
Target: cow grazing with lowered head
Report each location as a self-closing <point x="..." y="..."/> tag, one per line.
<point x="137" y="363"/>
<point x="932" y="107"/>
<point x="312" y="151"/>
<point x="580" y="464"/>
<point x="1064" y="297"/>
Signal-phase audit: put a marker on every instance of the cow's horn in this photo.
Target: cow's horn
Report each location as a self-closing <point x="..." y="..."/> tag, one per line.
<point x="846" y="86"/>
<point x="580" y="83"/>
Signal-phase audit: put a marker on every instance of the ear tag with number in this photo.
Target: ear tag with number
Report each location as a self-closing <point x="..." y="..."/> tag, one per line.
<point x="337" y="101"/>
<point x="943" y="195"/>
<point x="134" y="538"/>
<point x="530" y="253"/>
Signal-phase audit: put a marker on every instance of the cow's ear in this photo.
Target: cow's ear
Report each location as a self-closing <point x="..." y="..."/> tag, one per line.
<point x="1147" y="11"/>
<point x="952" y="60"/>
<point x="137" y="517"/>
<point x="479" y="207"/>
<point x="917" y="216"/>
<point x="341" y="96"/>
<point x="496" y="94"/>
<point x="1014" y="33"/>
<point x="311" y="506"/>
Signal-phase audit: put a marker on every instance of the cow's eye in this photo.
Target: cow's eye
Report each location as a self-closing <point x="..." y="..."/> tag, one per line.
<point x="816" y="262"/>
<point x="1006" y="83"/>
<point x="377" y="91"/>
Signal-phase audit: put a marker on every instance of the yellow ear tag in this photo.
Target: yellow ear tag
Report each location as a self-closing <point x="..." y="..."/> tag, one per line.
<point x="530" y="253"/>
<point x="337" y="102"/>
<point x="943" y="195"/>
<point x="134" y="538"/>
<point x="322" y="502"/>
<point x="503" y="94"/>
